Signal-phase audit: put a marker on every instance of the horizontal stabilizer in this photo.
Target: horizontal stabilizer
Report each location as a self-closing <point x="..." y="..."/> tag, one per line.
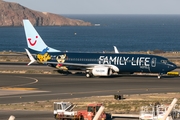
<point x="32" y="60"/>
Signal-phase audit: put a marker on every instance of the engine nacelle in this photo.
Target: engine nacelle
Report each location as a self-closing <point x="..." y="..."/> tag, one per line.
<point x="101" y="71"/>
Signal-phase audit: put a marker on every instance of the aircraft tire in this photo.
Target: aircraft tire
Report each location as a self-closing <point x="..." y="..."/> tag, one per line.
<point x="159" y="76"/>
<point x="88" y="75"/>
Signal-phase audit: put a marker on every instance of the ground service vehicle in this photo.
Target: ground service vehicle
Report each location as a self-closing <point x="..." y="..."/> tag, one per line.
<point x="157" y="112"/>
<point x="64" y="110"/>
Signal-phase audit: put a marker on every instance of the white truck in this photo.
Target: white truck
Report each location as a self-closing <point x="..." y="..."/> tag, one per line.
<point x="64" y="109"/>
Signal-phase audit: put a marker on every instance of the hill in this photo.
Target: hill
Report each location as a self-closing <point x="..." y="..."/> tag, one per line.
<point x="12" y="14"/>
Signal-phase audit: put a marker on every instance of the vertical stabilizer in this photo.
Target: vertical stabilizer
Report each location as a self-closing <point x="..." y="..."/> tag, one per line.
<point x="34" y="40"/>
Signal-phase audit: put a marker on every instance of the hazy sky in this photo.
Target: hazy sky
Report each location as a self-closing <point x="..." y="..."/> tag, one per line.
<point x="103" y="6"/>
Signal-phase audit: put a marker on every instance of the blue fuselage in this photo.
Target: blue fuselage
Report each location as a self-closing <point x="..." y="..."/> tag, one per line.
<point x="125" y="62"/>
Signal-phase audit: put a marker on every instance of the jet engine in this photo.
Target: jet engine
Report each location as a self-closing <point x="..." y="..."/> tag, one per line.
<point x="101" y="71"/>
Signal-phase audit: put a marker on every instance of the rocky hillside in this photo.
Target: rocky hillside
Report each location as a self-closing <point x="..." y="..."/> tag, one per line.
<point x="12" y="14"/>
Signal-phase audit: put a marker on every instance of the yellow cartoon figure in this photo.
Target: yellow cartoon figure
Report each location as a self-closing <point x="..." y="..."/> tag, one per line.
<point x="43" y="58"/>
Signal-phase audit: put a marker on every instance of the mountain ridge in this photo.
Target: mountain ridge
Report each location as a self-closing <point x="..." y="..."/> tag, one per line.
<point x="12" y="14"/>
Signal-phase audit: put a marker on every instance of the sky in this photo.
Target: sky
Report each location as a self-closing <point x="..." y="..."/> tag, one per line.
<point x="103" y="6"/>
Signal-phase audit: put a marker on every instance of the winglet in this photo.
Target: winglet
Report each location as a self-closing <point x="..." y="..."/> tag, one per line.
<point x="115" y="49"/>
<point x="30" y="57"/>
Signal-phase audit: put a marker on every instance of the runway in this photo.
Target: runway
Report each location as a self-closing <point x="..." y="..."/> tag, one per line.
<point x="15" y="88"/>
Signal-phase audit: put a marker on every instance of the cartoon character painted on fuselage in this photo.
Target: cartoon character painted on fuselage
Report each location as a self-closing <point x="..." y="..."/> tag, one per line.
<point x="61" y="59"/>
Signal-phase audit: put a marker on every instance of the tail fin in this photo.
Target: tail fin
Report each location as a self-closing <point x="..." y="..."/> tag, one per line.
<point x="34" y="40"/>
<point x="115" y="49"/>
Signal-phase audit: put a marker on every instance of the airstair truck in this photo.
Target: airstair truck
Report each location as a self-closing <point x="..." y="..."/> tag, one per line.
<point x="64" y="110"/>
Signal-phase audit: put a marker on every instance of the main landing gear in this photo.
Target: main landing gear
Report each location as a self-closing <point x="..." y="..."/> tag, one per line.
<point x="88" y="74"/>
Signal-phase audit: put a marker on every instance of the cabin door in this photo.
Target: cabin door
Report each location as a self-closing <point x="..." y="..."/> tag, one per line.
<point x="153" y="62"/>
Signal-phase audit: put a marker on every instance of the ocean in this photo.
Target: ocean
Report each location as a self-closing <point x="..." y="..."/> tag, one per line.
<point x="127" y="32"/>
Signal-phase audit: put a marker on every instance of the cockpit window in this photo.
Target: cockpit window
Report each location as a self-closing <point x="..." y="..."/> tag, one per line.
<point x="164" y="61"/>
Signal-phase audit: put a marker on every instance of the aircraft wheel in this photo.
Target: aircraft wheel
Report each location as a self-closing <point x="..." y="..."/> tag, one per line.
<point x="159" y="76"/>
<point x="88" y="75"/>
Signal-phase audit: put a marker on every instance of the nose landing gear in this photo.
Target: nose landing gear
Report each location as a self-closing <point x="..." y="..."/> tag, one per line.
<point x="159" y="76"/>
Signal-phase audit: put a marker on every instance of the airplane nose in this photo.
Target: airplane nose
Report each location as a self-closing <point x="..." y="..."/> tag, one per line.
<point x="172" y="66"/>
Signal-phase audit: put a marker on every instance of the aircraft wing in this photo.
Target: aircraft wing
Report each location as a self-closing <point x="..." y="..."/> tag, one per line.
<point x="87" y="66"/>
<point x="75" y="64"/>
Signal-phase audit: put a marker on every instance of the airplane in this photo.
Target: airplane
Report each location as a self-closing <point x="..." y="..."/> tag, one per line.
<point x="94" y="64"/>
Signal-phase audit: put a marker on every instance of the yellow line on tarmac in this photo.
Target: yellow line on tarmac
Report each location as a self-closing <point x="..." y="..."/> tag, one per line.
<point x="16" y="88"/>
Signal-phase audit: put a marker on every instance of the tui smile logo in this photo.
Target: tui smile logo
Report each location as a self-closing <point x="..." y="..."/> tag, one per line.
<point x="32" y="43"/>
